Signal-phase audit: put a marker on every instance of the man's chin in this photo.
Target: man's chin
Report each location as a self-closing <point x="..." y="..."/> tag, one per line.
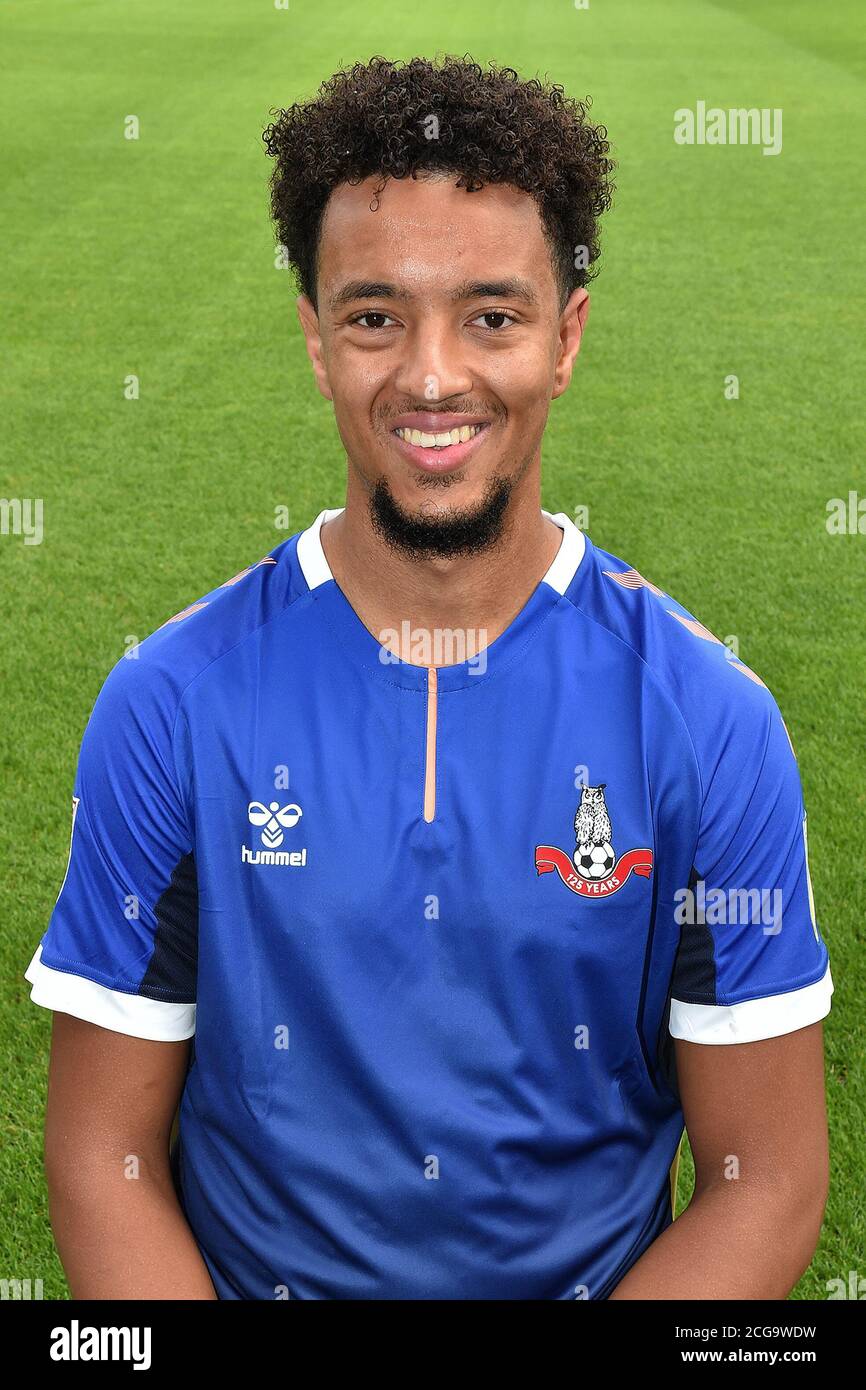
<point x="456" y="529"/>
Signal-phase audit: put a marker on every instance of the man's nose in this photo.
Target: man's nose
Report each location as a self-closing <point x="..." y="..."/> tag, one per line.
<point x="433" y="365"/>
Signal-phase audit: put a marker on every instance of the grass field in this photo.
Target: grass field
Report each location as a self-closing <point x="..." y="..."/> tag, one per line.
<point x="155" y="257"/>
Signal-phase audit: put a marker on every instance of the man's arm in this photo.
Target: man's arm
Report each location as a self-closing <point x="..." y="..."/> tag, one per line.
<point x="117" y="1222"/>
<point x="757" y="1110"/>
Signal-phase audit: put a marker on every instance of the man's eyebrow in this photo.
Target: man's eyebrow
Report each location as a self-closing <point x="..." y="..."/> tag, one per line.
<point x="365" y="289"/>
<point x="511" y="288"/>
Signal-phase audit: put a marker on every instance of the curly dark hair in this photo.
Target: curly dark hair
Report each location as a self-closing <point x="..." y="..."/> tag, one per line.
<point x="491" y="127"/>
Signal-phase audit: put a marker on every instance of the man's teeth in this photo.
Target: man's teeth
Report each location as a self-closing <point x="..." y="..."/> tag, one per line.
<point x="439" y="441"/>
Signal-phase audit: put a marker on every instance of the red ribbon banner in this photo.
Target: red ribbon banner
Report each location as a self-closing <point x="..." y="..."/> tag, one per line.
<point x="548" y="858"/>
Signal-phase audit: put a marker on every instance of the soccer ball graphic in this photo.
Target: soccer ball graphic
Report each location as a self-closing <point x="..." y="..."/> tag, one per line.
<point x="594" y="861"/>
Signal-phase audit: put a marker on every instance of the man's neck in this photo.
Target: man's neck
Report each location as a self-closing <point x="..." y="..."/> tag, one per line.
<point x="398" y="596"/>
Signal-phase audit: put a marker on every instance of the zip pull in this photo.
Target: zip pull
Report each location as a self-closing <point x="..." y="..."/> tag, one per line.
<point x="430" y="756"/>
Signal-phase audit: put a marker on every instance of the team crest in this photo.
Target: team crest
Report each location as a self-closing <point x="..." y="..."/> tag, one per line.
<point x="593" y="870"/>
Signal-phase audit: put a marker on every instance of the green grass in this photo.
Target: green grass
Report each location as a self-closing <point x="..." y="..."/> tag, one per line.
<point x="155" y="257"/>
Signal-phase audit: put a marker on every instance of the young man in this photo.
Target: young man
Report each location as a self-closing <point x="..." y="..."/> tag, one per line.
<point x="467" y="857"/>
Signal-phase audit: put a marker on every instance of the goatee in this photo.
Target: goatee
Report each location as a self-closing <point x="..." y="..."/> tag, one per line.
<point x="459" y="531"/>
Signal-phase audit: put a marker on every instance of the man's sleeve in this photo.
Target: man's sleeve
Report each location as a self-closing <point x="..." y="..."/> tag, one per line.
<point x="120" y="949"/>
<point x="751" y="962"/>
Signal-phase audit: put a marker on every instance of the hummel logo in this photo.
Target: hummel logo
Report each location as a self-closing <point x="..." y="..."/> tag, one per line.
<point x="273" y="819"/>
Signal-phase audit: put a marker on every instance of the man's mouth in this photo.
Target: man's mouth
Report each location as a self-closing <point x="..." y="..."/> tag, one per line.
<point x="439" y="441"/>
<point x="434" y="450"/>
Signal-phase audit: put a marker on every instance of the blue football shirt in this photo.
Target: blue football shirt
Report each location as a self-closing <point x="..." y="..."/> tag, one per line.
<point x="433" y="927"/>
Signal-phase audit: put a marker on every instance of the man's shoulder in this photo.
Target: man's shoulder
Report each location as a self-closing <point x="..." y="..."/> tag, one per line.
<point x="699" y="672"/>
<point x="151" y="677"/>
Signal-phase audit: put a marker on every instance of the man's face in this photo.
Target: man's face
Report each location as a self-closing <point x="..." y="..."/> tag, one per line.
<point x="440" y="341"/>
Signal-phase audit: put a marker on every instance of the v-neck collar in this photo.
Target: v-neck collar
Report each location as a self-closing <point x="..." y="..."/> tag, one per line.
<point x="361" y="645"/>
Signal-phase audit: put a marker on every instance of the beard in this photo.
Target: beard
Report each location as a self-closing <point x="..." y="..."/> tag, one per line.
<point x="458" y="531"/>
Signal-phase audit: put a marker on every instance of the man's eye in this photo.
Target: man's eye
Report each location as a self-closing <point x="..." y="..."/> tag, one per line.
<point x="380" y="319"/>
<point x="502" y="319"/>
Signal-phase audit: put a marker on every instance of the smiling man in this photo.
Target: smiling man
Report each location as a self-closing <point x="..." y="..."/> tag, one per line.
<point x="462" y="938"/>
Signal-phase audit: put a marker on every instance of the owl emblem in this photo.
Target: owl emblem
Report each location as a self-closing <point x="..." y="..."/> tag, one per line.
<point x="592" y="822"/>
<point x="593" y="856"/>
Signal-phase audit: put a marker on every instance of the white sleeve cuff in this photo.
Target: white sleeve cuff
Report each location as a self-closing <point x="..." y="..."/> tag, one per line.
<point x="134" y="1014"/>
<point x="754" y="1018"/>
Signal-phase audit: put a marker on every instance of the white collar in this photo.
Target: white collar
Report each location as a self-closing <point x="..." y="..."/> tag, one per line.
<point x="316" y="570"/>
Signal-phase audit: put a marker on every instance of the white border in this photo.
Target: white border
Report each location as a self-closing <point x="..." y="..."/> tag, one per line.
<point x="134" y="1014"/>
<point x="569" y="554"/>
<point x="76" y="802"/>
<point x="311" y="554"/>
<point x="754" y="1019"/>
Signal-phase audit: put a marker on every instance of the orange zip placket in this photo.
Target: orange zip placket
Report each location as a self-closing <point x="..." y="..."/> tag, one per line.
<point x="430" y="756"/>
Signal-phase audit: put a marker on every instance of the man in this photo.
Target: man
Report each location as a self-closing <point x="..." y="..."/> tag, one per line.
<point x="468" y="859"/>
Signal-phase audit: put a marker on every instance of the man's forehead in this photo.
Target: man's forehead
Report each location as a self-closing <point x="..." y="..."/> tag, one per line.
<point x="412" y="228"/>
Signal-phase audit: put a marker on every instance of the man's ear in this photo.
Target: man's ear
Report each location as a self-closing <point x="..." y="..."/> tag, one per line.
<point x="310" y="326"/>
<point x="572" y="322"/>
